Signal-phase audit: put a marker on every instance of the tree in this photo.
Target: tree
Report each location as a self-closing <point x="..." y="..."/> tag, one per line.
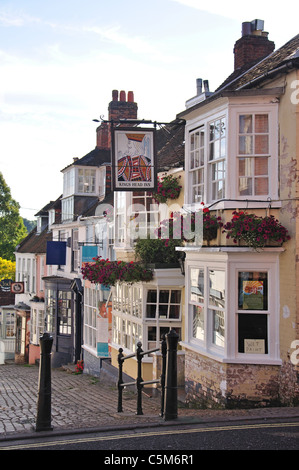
<point x="7" y="269"/>
<point x="12" y="228"/>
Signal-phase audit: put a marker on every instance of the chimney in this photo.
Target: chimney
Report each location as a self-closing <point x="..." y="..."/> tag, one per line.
<point x="122" y="108"/>
<point x="254" y="44"/>
<point x="103" y="136"/>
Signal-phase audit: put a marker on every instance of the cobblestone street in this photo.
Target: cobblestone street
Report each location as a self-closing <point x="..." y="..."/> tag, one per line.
<point x="82" y="402"/>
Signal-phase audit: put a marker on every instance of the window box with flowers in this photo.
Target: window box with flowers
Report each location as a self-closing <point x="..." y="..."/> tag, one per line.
<point x="168" y="188"/>
<point x="105" y="272"/>
<point x="254" y="231"/>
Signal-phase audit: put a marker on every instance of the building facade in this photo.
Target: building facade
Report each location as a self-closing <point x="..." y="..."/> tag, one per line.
<point x="241" y="315"/>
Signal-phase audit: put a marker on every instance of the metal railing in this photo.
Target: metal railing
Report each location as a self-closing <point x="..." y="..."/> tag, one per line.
<point x="168" y="378"/>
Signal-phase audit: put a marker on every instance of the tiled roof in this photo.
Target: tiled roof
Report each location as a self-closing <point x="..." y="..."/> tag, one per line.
<point x="96" y="157"/>
<point x="283" y="59"/>
<point x="170" y="140"/>
<point x="264" y="68"/>
<point x="35" y="242"/>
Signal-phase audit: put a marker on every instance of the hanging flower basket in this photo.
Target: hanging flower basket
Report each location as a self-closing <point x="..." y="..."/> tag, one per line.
<point x="255" y="231"/>
<point x="168" y="188"/>
<point x="105" y="272"/>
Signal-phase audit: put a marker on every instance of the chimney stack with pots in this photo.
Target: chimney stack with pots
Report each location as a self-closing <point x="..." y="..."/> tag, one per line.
<point x="121" y="107"/>
<point x="253" y="46"/>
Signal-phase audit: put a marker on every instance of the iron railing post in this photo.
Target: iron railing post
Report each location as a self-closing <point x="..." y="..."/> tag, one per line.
<point x="43" y="418"/>
<point x="171" y="392"/>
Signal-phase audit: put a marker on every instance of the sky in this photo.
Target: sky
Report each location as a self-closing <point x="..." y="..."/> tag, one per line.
<point x="61" y="59"/>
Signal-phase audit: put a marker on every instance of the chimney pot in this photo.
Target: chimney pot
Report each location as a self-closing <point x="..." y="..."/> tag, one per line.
<point x="115" y="95"/>
<point x="206" y="86"/>
<point x="199" y="86"/>
<point x="253" y="46"/>
<point x="122" y="96"/>
<point x="130" y="97"/>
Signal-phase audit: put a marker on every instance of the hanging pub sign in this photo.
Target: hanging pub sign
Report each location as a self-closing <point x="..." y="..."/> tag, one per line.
<point x="17" y="287"/>
<point x="56" y="253"/>
<point x="134" y="159"/>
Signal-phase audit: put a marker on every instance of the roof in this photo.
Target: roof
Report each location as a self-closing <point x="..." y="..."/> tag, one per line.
<point x="35" y="242"/>
<point x="282" y="60"/>
<point x="285" y="55"/>
<point x="170" y="139"/>
<point x="97" y="157"/>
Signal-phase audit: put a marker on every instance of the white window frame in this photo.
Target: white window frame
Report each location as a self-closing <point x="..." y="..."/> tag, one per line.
<point x="231" y="111"/>
<point x="203" y="123"/>
<point x="233" y="262"/>
<point x="87" y="179"/>
<point x="233" y="164"/>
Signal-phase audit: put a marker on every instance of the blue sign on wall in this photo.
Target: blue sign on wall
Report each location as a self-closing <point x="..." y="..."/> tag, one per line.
<point x="89" y="252"/>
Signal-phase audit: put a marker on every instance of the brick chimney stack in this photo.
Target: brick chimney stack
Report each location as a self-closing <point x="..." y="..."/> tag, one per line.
<point x="120" y="107"/>
<point x="253" y="46"/>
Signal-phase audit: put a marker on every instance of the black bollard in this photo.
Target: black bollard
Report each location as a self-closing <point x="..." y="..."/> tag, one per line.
<point x="139" y="379"/>
<point x="120" y="380"/>
<point x="162" y="378"/>
<point x="171" y="389"/>
<point x="43" y="420"/>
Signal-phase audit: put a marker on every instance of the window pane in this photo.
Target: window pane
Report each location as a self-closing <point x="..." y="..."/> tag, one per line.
<point x="197" y="285"/>
<point x="261" y="144"/>
<point x="164" y="296"/>
<point x="174" y="311"/>
<point x="198" y="322"/>
<point x="175" y="297"/>
<point x="253" y="291"/>
<point x="245" y="123"/>
<point x="261" y="123"/>
<point x="261" y="166"/>
<point x="245" y="144"/>
<point x="217" y="288"/>
<point x="163" y="310"/>
<point x="252" y="333"/>
<point x="218" y="328"/>
<point x="261" y="186"/>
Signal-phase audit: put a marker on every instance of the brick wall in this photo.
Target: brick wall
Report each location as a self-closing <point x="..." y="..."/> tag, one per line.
<point x="213" y="384"/>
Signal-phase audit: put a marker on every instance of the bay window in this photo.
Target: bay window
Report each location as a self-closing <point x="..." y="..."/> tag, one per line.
<point x="144" y="313"/>
<point x="232" y="154"/>
<point x="244" y="325"/>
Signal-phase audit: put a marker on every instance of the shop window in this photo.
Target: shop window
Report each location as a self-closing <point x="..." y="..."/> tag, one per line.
<point x="252" y="321"/>
<point x="64" y="312"/>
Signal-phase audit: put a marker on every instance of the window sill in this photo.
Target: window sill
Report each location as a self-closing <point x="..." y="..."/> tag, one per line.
<point x="258" y="359"/>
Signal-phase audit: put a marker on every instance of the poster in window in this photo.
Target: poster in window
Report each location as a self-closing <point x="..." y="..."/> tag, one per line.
<point x="253" y="295"/>
<point x="133" y="154"/>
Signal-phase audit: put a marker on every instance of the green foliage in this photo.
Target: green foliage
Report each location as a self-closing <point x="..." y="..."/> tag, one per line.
<point x="12" y="229"/>
<point x="149" y="250"/>
<point x="29" y="224"/>
<point x="7" y="269"/>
